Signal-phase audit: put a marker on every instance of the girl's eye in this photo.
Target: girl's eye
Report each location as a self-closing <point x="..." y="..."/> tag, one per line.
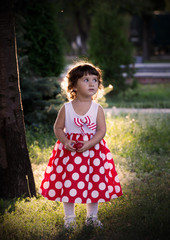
<point x="86" y="80"/>
<point x="95" y="80"/>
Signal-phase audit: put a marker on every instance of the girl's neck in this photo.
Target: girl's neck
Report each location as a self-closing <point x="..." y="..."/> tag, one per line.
<point x="82" y="99"/>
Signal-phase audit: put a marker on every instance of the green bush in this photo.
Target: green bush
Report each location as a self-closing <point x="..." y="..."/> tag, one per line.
<point x="41" y="96"/>
<point x="45" y="44"/>
<point x="109" y="47"/>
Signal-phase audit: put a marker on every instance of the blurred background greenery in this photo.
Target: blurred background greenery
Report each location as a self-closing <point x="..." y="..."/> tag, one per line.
<point x="115" y="35"/>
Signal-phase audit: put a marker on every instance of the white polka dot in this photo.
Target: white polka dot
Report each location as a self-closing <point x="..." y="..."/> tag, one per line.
<point x="101" y="170"/>
<point x="110" y="175"/>
<point x="106" y="179"/>
<point x="102" y="143"/>
<point x="106" y="146"/>
<point x="95" y="178"/>
<point x="46" y="185"/>
<point x="70" y="168"/>
<point x="96" y="146"/>
<point x="102" y="186"/>
<point x="61" y="153"/>
<point x="91" y="170"/>
<point x="81" y="185"/>
<point x="88" y="200"/>
<point x="117" y="189"/>
<point x="53" y="177"/>
<point x="59" y="169"/>
<point x="67" y="183"/>
<point x="106" y="165"/>
<point x="73" y="192"/>
<point x="110" y="166"/>
<point x="85" y="194"/>
<point x="107" y="194"/>
<point x="65" y="199"/>
<point x="110" y="188"/>
<point x="85" y="138"/>
<point x="90" y="185"/>
<point x="49" y="169"/>
<point x="73" y="153"/>
<point x="65" y="160"/>
<point x="117" y="179"/>
<point x="83" y="169"/>
<point x="91" y="153"/>
<point x="78" y="160"/>
<point x="101" y="200"/>
<point x="77" y="137"/>
<point x="56" y="146"/>
<point x="95" y="194"/>
<point x="56" y="161"/>
<point x="57" y="199"/>
<point x="58" y="185"/>
<point x="51" y="193"/>
<point x="86" y="153"/>
<point x="64" y="176"/>
<point x="75" y="176"/>
<point x="62" y="191"/>
<point x="60" y="146"/>
<point x="87" y="178"/>
<point x="102" y="155"/>
<point x="109" y="156"/>
<point x="78" y="200"/>
<point x="96" y="162"/>
<point x="114" y="196"/>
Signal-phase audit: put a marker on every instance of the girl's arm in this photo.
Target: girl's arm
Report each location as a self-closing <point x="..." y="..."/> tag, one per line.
<point x="59" y="126"/>
<point x="100" y="131"/>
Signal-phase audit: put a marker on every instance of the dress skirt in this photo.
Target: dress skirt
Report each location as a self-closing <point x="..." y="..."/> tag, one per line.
<point x="86" y="177"/>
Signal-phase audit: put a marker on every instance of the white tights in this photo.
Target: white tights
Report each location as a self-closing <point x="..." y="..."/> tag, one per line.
<point x="92" y="209"/>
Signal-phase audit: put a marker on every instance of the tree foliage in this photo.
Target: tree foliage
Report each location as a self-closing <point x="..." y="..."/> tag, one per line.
<point x="109" y="47"/>
<point x="41" y="96"/>
<point x="43" y="33"/>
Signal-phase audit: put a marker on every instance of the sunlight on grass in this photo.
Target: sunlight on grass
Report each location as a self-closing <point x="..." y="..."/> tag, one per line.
<point x="140" y="147"/>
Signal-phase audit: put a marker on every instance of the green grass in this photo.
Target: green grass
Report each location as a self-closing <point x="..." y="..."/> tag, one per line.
<point x="140" y="146"/>
<point x="144" y="96"/>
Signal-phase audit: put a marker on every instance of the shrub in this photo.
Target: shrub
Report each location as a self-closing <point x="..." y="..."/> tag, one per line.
<point x="43" y="33"/>
<point x="109" y="47"/>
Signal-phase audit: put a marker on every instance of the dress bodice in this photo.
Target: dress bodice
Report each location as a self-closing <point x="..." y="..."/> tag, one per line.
<point x="75" y="123"/>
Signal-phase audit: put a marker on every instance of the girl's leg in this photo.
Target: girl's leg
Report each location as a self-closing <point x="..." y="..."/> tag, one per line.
<point x="92" y="210"/>
<point x="69" y="213"/>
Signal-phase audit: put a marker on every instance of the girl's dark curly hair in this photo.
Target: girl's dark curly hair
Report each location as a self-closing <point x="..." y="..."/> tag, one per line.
<point x="78" y="71"/>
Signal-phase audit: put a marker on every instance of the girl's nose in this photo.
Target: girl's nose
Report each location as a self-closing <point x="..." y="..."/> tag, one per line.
<point x="91" y="83"/>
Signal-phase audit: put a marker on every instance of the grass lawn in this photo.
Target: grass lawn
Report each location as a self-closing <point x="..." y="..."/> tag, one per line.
<point x="144" y="96"/>
<point x="140" y="147"/>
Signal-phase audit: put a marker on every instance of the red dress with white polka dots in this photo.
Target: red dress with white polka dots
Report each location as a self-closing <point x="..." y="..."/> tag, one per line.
<point x="86" y="177"/>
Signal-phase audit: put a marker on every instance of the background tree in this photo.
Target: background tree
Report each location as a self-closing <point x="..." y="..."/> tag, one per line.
<point x="41" y="59"/>
<point x="109" y="47"/>
<point x="16" y="175"/>
<point x="44" y="37"/>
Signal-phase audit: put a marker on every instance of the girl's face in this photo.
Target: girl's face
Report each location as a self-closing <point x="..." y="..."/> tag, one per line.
<point x="87" y="86"/>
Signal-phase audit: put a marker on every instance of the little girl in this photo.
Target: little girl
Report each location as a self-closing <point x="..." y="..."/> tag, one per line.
<point x="81" y="168"/>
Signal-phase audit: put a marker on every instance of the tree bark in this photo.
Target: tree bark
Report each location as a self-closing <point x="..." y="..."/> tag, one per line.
<point x="16" y="177"/>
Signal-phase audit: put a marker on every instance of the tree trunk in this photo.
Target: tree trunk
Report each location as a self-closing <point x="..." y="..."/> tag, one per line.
<point x="16" y="177"/>
<point x="146" y="36"/>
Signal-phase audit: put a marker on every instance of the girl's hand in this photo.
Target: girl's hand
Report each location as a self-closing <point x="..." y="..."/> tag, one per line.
<point x="86" y="145"/>
<point x="69" y="145"/>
